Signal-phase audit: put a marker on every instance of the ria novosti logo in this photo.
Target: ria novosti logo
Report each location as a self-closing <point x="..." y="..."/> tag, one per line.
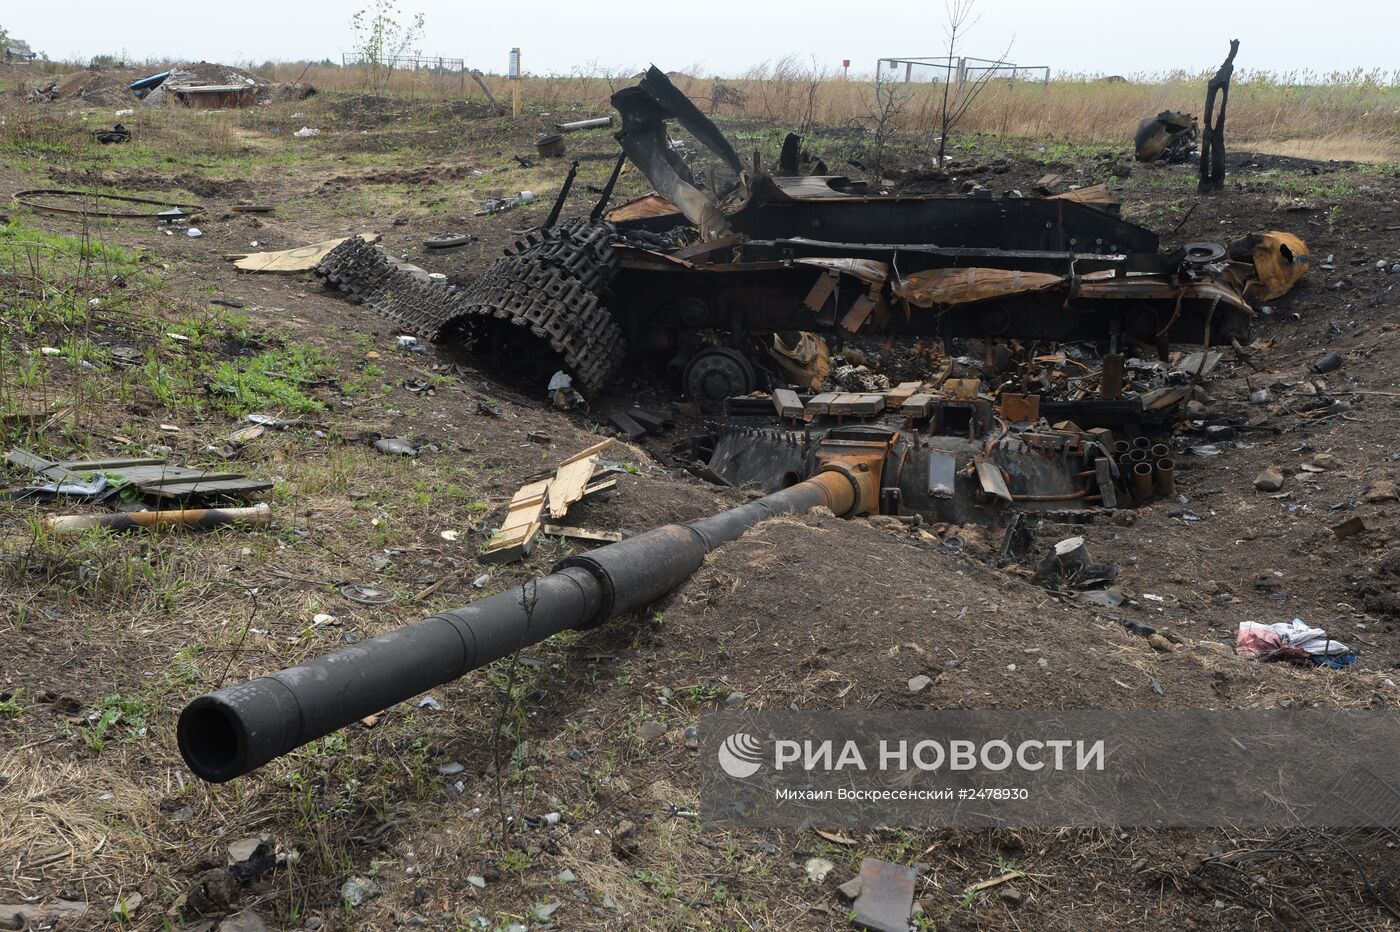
<point x="741" y="755"/>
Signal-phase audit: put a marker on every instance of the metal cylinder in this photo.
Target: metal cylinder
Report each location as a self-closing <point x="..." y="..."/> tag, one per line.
<point x="1120" y="447"/>
<point x="1160" y="451"/>
<point x="1142" y="482"/>
<point x="1164" y="478"/>
<point x="1137" y="456"/>
<point x="1141" y="443"/>
<point x="227" y="733"/>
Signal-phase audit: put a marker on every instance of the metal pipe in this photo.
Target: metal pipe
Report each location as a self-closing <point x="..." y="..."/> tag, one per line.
<point x="1138" y="456"/>
<point x="595" y="123"/>
<point x="231" y="731"/>
<point x="1164" y="478"/>
<point x="1120" y="447"/>
<point x="1141" y="443"/>
<point x="1142" y="482"/>
<point x="1160" y="451"/>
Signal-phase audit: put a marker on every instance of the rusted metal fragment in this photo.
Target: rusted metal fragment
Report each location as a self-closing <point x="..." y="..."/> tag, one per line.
<point x="1093" y="194"/>
<point x="991" y="481"/>
<point x="1017" y="408"/>
<point x="943" y="287"/>
<point x="1169" y="137"/>
<point x="648" y="205"/>
<point x="1279" y="260"/>
<point x="804" y="356"/>
<point x="1162" y="286"/>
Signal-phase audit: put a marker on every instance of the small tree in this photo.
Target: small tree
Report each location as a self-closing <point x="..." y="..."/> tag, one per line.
<point x="958" y="92"/>
<point x="380" y="38"/>
<point x="891" y="98"/>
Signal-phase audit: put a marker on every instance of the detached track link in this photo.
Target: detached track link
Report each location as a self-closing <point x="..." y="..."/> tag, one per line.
<point x="549" y="284"/>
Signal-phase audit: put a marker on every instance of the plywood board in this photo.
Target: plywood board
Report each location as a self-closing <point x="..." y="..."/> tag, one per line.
<point x="299" y="259"/>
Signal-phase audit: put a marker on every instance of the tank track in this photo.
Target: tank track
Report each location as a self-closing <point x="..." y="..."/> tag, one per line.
<point x="549" y="282"/>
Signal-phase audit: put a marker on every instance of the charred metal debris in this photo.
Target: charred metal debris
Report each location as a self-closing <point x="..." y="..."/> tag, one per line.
<point x="748" y="290"/>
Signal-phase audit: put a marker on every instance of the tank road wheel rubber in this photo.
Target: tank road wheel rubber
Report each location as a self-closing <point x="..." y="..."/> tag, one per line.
<point x="716" y="373"/>
<point x="548" y="284"/>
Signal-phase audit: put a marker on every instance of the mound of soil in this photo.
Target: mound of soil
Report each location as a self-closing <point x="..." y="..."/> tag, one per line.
<point x="89" y="88"/>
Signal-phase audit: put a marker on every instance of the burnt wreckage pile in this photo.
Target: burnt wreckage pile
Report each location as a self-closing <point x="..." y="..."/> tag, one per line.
<point x="718" y="289"/>
<point x="721" y="289"/>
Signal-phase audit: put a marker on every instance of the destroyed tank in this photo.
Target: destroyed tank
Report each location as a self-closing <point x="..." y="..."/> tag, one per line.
<point x="702" y="284"/>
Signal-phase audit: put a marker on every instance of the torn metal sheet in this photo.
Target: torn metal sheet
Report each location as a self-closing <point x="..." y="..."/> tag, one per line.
<point x="150" y="475"/>
<point x="867" y="270"/>
<point x="1277" y="261"/>
<point x="935" y="287"/>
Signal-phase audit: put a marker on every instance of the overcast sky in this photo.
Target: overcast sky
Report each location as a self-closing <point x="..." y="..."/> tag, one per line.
<point x="728" y="36"/>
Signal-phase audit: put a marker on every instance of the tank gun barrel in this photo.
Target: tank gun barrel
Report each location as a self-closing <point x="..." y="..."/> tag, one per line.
<point x="229" y="732"/>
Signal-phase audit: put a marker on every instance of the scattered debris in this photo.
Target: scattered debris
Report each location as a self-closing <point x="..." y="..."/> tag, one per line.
<point x="116" y="134"/>
<point x="395" y="446"/>
<point x="150" y="476"/>
<point x="86" y="204"/>
<point x="56" y="913"/>
<point x="1069" y="564"/>
<point x="1349" y="528"/>
<point x="1170" y="137"/>
<point x="366" y="595"/>
<point x="886" y="897"/>
<point x="447" y="241"/>
<point x="818" y="869"/>
<point x="1295" y="640"/>
<point x="357" y="891"/>
<point x="1270" y="480"/>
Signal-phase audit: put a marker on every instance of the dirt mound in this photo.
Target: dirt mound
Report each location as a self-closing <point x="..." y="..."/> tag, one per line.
<point x="212" y="73"/>
<point x="89" y="88"/>
<point x="277" y="93"/>
<point x="145" y="180"/>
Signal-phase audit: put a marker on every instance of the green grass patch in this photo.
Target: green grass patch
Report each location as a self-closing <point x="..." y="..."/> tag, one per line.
<point x="23" y="247"/>
<point x="274" y="381"/>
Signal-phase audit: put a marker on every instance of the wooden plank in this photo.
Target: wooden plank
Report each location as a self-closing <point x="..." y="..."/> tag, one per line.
<point x="918" y="406"/>
<point x="581" y="533"/>
<point x="901" y="393"/>
<point x="568" y="484"/>
<point x="522" y="522"/>
<point x="597" y="487"/>
<point x="786" y="403"/>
